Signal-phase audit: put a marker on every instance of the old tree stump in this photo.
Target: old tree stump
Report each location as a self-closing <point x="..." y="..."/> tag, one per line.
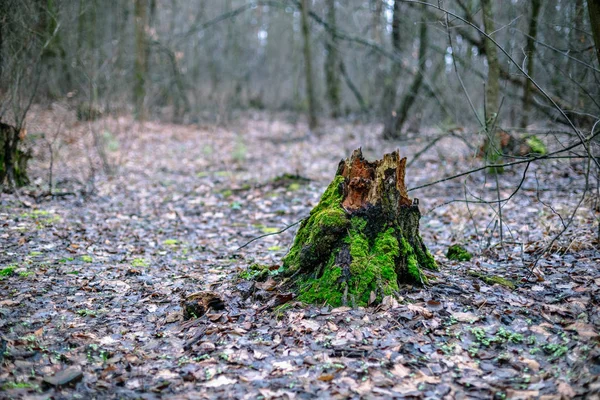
<point x="362" y="239"/>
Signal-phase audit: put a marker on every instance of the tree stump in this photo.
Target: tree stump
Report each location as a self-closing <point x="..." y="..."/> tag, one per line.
<point x="13" y="160"/>
<point x="362" y="239"/>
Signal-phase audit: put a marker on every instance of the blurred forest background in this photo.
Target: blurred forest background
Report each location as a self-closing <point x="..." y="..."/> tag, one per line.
<point x="399" y="62"/>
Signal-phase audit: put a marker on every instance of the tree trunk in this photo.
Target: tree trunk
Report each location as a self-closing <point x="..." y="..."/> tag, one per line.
<point x="362" y="239"/>
<point x="594" y="10"/>
<point x="389" y="91"/>
<point x="413" y="90"/>
<point x="331" y="64"/>
<point x="310" y="89"/>
<point x="530" y="52"/>
<point x="13" y="160"/>
<point x="492" y="144"/>
<point x="139" y="69"/>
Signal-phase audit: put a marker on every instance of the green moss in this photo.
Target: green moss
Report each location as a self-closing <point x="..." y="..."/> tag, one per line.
<point x="325" y="290"/>
<point x="8" y="271"/>
<point x="255" y="271"/>
<point x="493" y="279"/>
<point x="536" y="145"/>
<point x="294" y="187"/>
<point x="17" y="385"/>
<point x="412" y="264"/>
<point x="373" y="267"/>
<point x="458" y="253"/>
<point x="372" y="270"/>
<point x="87" y="259"/>
<point x="171" y="242"/>
<point x="139" y="262"/>
<point x="324" y="220"/>
<point x="424" y="257"/>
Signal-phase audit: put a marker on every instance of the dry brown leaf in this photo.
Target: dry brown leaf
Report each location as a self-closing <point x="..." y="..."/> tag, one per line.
<point x="400" y="371"/>
<point x="325" y="377"/>
<point x="565" y="390"/>
<point x="583" y="329"/>
<point x="465" y="316"/>
<point x="522" y="394"/>
<point x="421" y="310"/>
<point x="221" y="380"/>
<point x="531" y="364"/>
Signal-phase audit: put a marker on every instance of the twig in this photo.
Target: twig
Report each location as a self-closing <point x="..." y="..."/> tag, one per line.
<point x="270" y="234"/>
<point x="509" y="164"/>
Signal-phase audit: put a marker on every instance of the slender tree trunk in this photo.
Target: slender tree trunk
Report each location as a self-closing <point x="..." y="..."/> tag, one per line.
<point x="139" y="69"/>
<point x="331" y="64"/>
<point x="310" y="89"/>
<point x="391" y="82"/>
<point x="492" y="146"/>
<point x="530" y="52"/>
<point x="594" y="11"/>
<point x="411" y="95"/>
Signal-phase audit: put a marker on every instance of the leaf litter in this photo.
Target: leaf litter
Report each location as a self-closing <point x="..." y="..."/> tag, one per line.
<point x="93" y="289"/>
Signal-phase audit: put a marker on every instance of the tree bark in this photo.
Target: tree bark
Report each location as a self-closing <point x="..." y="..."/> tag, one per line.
<point x="13" y="160"/>
<point x="530" y="52"/>
<point x="331" y="64"/>
<point x="362" y="240"/>
<point x="413" y="91"/>
<point x="391" y="83"/>
<point x="139" y="69"/>
<point x="492" y="91"/>
<point x="594" y="11"/>
<point x="310" y="89"/>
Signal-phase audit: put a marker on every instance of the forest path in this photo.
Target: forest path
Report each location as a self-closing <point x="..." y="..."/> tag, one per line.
<point x="95" y="282"/>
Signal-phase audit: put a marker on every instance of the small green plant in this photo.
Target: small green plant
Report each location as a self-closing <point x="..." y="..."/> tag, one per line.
<point x="504" y="335"/>
<point x="87" y="258"/>
<point x="25" y="274"/>
<point x="480" y="335"/>
<point x="18" y="385"/>
<point x="255" y="271"/>
<point x="139" y="263"/>
<point x="536" y="145"/>
<point x="8" y="271"/>
<point x="555" y="350"/>
<point x="473" y="350"/>
<point x="86" y="312"/>
<point x="457" y="252"/>
<point x="171" y="242"/>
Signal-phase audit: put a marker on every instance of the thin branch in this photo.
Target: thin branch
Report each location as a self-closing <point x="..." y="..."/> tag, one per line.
<point x="270" y="234"/>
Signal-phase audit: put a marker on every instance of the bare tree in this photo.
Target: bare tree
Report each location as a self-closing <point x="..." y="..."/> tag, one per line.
<point x="530" y="54"/>
<point x="332" y="63"/>
<point x="389" y="94"/>
<point x="492" y="92"/>
<point x="594" y="11"/>
<point x="139" y="89"/>
<point x="310" y="87"/>
<point x="413" y="90"/>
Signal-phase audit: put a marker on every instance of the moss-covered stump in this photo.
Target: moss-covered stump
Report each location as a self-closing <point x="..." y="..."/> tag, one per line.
<point x="362" y="239"/>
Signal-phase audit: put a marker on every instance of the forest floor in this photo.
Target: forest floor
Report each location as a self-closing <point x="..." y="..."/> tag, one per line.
<point x="91" y="282"/>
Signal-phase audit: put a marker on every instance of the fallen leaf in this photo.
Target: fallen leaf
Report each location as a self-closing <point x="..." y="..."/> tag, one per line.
<point x="583" y="329"/>
<point x="221" y="380"/>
